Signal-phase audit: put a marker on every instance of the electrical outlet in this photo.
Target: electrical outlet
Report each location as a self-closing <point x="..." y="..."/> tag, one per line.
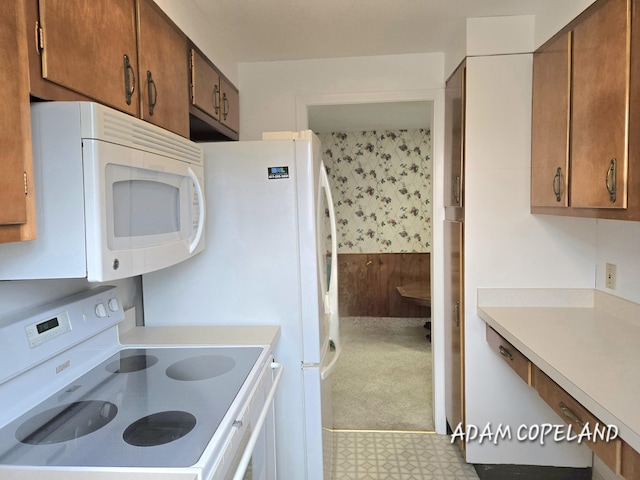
<point x="610" y="276"/>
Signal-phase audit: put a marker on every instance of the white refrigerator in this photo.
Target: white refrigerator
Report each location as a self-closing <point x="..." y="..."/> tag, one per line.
<point x="271" y="246"/>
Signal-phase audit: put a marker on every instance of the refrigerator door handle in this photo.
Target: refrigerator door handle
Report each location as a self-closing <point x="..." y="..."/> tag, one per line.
<point x="326" y="371"/>
<point x="331" y="295"/>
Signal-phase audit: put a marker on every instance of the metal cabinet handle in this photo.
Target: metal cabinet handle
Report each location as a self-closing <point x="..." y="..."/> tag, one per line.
<point x="129" y="80"/>
<point x="570" y="415"/>
<point x="152" y="92"/>
<point x="216" y="99"/>
<point x="456" y="310"/>
<point x="225" y="106"/>
<point x="610" y="180"/>
<point x="557" y="184"/>
<point x="505" y="353"/>
<point x="456" y="190"/>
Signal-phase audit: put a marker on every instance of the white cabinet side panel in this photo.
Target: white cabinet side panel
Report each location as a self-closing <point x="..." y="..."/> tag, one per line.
<point x="506" y="246"/>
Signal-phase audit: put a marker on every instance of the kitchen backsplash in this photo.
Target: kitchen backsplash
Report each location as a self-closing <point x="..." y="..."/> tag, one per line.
<point x="381" y="186"/>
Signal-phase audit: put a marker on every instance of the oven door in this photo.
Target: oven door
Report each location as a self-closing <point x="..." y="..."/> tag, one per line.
<point x="144" y="211"/>
<point x="255" y="458"/>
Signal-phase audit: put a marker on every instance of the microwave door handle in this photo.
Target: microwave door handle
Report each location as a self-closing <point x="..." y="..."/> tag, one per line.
<point x="201" y="215"/>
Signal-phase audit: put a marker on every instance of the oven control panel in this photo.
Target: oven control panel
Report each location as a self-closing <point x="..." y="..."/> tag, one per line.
<point x="48" y="329"/>
<point x="55" y="327"/>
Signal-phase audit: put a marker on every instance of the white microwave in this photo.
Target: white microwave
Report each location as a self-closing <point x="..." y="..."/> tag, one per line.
<point x="115" y="196"/>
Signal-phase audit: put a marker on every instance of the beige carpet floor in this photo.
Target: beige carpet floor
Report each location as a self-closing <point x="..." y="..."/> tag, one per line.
<point x="383" y="380"/>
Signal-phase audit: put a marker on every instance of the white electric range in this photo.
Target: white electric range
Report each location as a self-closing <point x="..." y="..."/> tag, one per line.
<point x="74" y="401"/>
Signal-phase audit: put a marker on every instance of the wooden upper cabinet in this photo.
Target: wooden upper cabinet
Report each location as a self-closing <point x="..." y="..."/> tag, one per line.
<point x="17" y="211"/>
<point x="584" y="154"/>
<point x="89" y="47"/>
<point x="550" y="123"/>
<point x="454" y="138"/>
<point x="230" y="114"/>
<point x="600" y="106"/>
<point x="214" y="99"/>
<point x="205" y="85"/>
<point x="163" y="70"/>
<point x="129" y="55"/>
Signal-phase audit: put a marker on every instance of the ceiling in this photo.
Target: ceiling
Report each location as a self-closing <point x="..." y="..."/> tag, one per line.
<point x="275" y="30"/>
<point x="281" y="30"/>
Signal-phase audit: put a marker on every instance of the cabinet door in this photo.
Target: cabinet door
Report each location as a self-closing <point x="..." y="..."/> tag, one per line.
<point x="600" y="105"/>
<point x="17" y="214"/>
<point x="205" y="85"/>
<point x="230" y="115"/>
<point x="454" y="325"/>
<point x="454" y="138"/>
<point x="89" y="46"/>
<point x="550" y="123"/>
<point x="164" y="70"/>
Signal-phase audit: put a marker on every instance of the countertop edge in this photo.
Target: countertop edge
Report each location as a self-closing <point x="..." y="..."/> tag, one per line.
<point x="626" y="433"/>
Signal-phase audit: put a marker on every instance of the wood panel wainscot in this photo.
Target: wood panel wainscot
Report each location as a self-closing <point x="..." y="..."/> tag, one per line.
<point x="368" y="284"/>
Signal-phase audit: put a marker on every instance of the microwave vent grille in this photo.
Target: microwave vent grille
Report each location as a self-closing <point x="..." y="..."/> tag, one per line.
<point x="122" y="129"/>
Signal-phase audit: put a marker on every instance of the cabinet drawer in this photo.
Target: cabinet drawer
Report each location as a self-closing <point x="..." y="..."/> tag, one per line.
<point x="630" y="462"/>
<point x="577" y="416"/>
<point x="518" y="362"/>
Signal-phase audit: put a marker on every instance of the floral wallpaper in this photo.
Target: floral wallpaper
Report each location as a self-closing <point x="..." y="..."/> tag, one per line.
<point x="381" y="187"/>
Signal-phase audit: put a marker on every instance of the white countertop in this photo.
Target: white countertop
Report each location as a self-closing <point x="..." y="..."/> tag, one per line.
<point x="587" y="341"/>
<point x="267" y="335"/>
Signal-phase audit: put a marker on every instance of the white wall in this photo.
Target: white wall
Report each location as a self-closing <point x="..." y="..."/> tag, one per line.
<point x="556" y="18"/>
<point x="543" y="27"/>
<point x="212" y="36"/>
<point x="270" y="90"/>
<point x="619" y="243"/>
<point x="506" y="246"/>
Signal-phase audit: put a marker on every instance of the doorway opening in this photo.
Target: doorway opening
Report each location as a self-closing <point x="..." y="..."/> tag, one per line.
<point x="379" y="161"/>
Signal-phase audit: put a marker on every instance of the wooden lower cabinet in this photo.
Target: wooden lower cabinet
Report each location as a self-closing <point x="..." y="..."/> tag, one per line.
<point x="578" y="417"/>
<point x="616" y="454"/>
<point x="512" y="357"/>
<point x="17" y="214"/>
<point x="630" y="462"/>
<point x="368" y="283"/>
<point x="454" y="326"/>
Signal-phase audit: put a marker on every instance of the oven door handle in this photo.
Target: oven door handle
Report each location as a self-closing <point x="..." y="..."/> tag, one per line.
<point x="248" y="452"/>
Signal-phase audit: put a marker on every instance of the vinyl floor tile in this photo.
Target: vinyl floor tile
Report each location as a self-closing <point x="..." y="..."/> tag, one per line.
<point x="363" y="455"/>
